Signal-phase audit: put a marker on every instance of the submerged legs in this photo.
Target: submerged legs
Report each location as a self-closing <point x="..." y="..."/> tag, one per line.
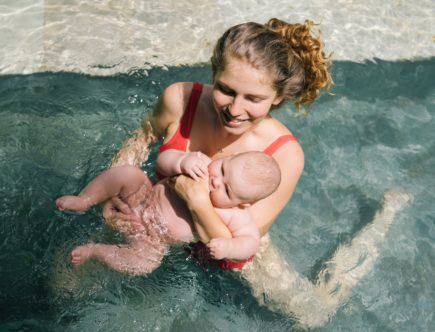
<point x="138" y="257"/>
<point x="275" y="284"/>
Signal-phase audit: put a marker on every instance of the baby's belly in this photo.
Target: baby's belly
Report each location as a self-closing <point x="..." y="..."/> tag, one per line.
<point x="175" y="213"/>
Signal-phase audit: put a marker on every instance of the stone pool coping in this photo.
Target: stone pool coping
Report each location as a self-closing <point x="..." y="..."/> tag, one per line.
<point x="110" y="37"/>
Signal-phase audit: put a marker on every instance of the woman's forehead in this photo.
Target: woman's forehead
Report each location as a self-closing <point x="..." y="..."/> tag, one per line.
<point x="240" y="72"/>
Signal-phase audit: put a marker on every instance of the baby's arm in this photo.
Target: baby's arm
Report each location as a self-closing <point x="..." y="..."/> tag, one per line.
<point x="174" y="162"/>
<point x="117" y="181"/>
<point x="246" y="237"/>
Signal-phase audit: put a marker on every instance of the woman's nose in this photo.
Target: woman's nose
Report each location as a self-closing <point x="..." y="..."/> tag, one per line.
<point x="236" y="106"/>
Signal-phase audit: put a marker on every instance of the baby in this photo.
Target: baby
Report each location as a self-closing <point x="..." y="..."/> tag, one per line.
<point x="235" y="182"/>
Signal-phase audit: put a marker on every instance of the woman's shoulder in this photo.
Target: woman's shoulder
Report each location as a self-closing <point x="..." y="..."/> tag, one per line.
<point x="175" y="97"/>
<point x="271" y="129"/>
<point x="170" y="107"/>
<point x="272" y="132"/>
<point x="172" y="103"/>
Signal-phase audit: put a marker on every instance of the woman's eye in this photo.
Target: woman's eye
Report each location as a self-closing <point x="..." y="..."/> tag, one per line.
<point x="254" y="100"/>
<point x="225" y="90"/>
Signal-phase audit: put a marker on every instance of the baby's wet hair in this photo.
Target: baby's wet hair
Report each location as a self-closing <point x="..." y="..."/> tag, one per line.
<point x="261" y="173"/>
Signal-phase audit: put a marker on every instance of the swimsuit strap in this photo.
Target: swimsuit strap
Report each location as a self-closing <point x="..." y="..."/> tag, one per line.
<point x="181" y="137"/>
<point x="275" y="145"/>
<point x="189" y="115"/>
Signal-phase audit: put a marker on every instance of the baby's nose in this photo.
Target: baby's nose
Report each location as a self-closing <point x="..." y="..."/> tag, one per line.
<point x="214" y="183"/>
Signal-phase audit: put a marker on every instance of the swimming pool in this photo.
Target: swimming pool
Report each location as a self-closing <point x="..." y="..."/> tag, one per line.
<point x="57" y="131"/>
<point x="59" y="127"/>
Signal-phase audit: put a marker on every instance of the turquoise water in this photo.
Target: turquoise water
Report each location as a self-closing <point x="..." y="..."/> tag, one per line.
<point x="57" y="131"/>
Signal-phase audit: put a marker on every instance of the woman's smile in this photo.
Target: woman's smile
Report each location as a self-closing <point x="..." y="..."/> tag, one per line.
<point x="231" y="121"/>
<point x="242" y="95"/>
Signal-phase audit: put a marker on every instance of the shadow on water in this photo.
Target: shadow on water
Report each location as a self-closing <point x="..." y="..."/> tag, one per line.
<point x="59" y="130"/>
<point x="367" y="208"/>
<point x="380" y="79"/>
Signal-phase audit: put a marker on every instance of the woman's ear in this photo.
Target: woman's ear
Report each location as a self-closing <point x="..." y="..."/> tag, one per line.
<point x="277" y="100"/>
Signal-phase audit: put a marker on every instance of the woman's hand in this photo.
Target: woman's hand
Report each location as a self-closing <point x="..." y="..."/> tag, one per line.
<point x="119" y="216"/>
<point x="207" y="223"/>
<point x="191" y="191"/>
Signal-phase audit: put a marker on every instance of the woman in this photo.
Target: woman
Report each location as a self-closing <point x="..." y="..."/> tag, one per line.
<point x="255" y="69"/>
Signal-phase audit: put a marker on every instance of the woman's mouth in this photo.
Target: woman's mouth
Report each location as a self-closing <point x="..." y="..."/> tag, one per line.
<point x="229" y="120"/>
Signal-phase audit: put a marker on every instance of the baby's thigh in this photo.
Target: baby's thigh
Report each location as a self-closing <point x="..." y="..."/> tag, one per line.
<point x="137" y="192"/>
<point x="132" y="180"/>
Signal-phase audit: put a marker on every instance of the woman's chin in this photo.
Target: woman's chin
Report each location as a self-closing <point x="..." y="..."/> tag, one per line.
<point x="236" y="128"/>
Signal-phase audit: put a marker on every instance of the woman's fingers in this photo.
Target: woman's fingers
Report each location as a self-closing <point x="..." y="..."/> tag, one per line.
<point x="120" y="205"/>
<point x="171" y="181"/>
<point x="108" y="213"/>
<point x="194" y="176"/>
<point x="189" y="189"/>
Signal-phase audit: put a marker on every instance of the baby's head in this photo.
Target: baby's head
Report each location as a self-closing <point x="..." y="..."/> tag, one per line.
<point x="242" y="179"/>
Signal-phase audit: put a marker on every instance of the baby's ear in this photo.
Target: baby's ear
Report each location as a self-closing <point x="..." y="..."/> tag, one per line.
<point x="244" y="205"/>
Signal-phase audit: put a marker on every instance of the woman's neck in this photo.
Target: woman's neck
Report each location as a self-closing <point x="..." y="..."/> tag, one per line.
<point x="223" y="141"/>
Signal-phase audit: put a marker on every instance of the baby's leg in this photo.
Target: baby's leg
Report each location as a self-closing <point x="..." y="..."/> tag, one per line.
<point x="135" y="258"/>
<point x="122" y="181"/>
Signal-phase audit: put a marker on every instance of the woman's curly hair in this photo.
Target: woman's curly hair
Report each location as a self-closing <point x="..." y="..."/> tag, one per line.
<point x="290" y="53"/>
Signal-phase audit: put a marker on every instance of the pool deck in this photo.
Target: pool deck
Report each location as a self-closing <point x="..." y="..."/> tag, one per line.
<point x="109" y="37"/>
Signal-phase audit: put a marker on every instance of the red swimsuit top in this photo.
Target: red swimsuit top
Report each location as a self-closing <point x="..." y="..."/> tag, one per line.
<point x="181" y="137"/>
<point x="179" y="142"/>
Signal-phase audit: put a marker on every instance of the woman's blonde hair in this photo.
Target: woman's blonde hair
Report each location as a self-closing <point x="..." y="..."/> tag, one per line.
<point x="290" y="53"/>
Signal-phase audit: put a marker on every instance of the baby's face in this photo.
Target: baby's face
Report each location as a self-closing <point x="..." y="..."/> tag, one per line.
<point x="227" y="186"/>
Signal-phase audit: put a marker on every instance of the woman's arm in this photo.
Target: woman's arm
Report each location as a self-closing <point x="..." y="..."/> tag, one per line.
<point x="135" y="150"/>
<point x="161" y="123"/>
<point x="206" y="221"/>
<point x="290" y="158"/>
<point x="209" y="225"/>
<point x="246" y="237"/>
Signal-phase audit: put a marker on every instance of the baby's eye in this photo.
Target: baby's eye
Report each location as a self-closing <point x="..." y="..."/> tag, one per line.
<point x="227" y="191"/>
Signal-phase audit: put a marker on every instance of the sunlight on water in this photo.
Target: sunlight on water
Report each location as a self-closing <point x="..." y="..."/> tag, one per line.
<point x="110" y="37"/>
<point x="57" y="131"/>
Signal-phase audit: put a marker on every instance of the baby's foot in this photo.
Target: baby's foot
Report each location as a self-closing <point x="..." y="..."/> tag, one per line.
<point x="81" y="254"/>
<point x="397" y="199"/>
<point x="72" y="203"/>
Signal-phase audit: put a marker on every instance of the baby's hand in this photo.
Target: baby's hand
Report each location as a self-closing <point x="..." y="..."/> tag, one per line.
<point x="219" y="248"/>
<point x="195" y="164"/>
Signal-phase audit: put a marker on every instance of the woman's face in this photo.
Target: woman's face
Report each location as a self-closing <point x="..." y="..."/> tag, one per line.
<point x="242" y="96"/>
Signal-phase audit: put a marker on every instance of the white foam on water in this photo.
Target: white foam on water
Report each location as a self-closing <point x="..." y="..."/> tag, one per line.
<point x="108" y="37"/>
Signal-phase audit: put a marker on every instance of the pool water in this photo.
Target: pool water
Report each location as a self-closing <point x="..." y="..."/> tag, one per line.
<point x="58" y="131"/>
